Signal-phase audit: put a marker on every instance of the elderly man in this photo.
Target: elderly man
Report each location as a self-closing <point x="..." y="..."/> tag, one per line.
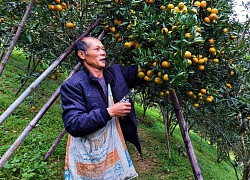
<point x="91" y="108"/>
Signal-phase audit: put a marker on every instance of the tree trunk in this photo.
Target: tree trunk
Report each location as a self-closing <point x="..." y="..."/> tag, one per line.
<point x="7" y="42"/>
<point x="185" y="136"/>
<point x="164" y="114"/>
<point x="246" y="171"/>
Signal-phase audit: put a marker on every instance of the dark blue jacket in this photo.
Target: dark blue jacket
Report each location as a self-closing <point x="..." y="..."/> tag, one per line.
<point x="85" y="105"/>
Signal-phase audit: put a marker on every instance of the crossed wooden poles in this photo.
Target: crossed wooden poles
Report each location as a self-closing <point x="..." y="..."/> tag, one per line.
<point x="47" y="105"/>
<point x="9" y="152"/>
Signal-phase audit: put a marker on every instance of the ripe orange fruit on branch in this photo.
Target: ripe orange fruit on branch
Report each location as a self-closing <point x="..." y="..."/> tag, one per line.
<point x="196" y="105"/>
<point x="141" y="75"/>
<point x="190" y="93"/>
<point x="200" y="67"/>
<point x="127" y="45"/>
<point x="187" y="55"/>
<point x="181" y="5"/>
<point x="165" y="77"/>
<point x="58" y="1"/>
<point x="231" y="73"/>
<point x="117" y="22"/>
<point x="149" y="1"/>
<point x="209" y="99"/>
<point x="203" y="91"/>
<point x="216" y="60"/>
<point x="146" y="78"/>
<point x="162" y="7"/>
<point x="225" y="30"/>
<point x="150" y="73"/>
<point x="228" y="85"/>
<point x="70" y="25"/>
<point x="64" y="5"/>
<point x="212" y="50"/>
<point x="206" y="20"/>
<point x="51" y="7"/>
<point x="59" y="7"/>
<point x="214" y="10"/>
<point x="158" y="80"/>
<point x="213" y="16"/>
<point x="165" y="64"/>
<point x="203" y="4"/>
<point x="197" y="3"/>
<point x="170" y="6"/>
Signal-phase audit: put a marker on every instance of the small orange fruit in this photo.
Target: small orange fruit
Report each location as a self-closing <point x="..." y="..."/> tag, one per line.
<point x="170" y="6"/>
<point x="70" y="25"/>
<point x="59" y="7"/>
<point x="209" y="99"/>
<point x="216" y="60"/>
<point x="197" y="3"/>
<point x="127" y="45"/>
<point x="141" y="75"/>
<point x="201" y="67"/>
<point x="187" y="55"/>
<point x="146" y="78"/>
<point x="165" y="77"/>
<point x="212" y="50"/>
<point x="190" y="93"/>
<point x="196" y="105"/>
<point x="203" y="4"/>
<point x="165" y="64"/>
<point x="51" y="7"/>
<point x="206" y="20"/>
<point x="181" y="5"/>
<point x="150" y="73"/>
<point x="225" y="30"/>
<point x="215" y="11"/>
<point x="162" y="7"/>
<point x="229" y="85"/>
<point x="213" y="16"/>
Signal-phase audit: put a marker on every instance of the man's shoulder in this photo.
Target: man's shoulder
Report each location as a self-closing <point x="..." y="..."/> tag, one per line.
<point x="79" y="76"/>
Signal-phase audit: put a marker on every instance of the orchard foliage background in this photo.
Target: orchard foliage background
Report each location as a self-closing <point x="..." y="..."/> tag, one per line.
<point x="196" y="48"/>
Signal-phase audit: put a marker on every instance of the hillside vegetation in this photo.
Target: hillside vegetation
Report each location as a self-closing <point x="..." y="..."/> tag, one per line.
<point x="27" y="161"/>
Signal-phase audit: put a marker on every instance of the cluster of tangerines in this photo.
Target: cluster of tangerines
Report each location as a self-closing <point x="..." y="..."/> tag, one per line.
<point x="199" y="96"/>
<point x="113" y="28"/>
<point x="60" y="6"/>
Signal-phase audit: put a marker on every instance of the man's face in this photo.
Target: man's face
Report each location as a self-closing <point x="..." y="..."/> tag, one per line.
<point x="95" y="54"/>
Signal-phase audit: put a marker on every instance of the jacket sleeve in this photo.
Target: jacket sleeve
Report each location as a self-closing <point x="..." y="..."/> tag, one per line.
<point x="130" y="74"/>
<point x="77" y="120"/>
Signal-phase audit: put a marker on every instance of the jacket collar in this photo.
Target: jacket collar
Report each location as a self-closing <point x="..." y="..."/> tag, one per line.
<point x="108" y="76"/>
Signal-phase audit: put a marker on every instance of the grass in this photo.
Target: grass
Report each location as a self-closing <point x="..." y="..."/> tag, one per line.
<point x="27" y="161"/>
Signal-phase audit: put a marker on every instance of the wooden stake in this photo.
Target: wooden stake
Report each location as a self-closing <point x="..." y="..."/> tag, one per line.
<point x="185" y="136"/>
<point x="18" y="32"/>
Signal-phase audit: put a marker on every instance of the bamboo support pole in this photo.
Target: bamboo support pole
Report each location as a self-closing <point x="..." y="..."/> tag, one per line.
<point x="18" y="33"/>
<point x="34" y="121"/>
<point x="52" y="148"/>
<point x="185" y="136"/>
<point x="31" y="88"/>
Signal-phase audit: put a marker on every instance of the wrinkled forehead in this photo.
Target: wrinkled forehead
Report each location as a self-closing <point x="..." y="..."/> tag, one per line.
<point x="92" y="42"/>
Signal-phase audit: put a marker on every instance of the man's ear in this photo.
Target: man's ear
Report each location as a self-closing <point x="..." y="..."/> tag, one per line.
<point x="81" y="54"/>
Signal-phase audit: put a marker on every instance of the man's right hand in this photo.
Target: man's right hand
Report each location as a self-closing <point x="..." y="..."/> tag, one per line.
<point x="119" y="109"/>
